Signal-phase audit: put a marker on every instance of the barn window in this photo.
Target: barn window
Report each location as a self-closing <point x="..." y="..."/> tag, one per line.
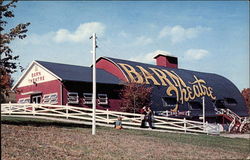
<point x="87" y="98"/>
<point x="73" y="98"/>
<point x="24" y="100"/>
<point x="50" y="98"/>
<point x="46" y="98"/>
<point x="169" y="102"/>
<point x="230" y="101"/>
<point x="53" y="98"/>
<point x="194" y="105"/>
<point x="220" y="103"/>
<point x="102" y="99"/>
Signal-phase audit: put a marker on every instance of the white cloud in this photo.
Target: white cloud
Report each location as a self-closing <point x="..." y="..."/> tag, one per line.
<point x="123" y="34"/>
<point x="82" y="33"/>
<point x="195" y="54"/>
<point x="36" y="39"/>
<point x="149" y="58"/>
<point x="179" y="34"/>
<point x="142" y="40"/>
<point x="162" y="52"/>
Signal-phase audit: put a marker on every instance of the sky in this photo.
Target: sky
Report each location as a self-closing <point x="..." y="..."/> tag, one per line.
<point x="208" y="36"/>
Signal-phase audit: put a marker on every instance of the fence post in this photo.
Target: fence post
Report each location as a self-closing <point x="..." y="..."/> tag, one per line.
<point x="205" y="127"/>
<point x="67" y="111"/>
<point x="218" y="128"/>
<point x="107" y="116"/>
<point x="9" y="108"/>
<point x="33" y="109"/>
<point x="185" y="125"/>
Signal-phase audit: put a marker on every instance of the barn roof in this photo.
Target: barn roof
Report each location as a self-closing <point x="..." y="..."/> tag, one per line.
<point x="221" y="87"/>
<point x="68" y="72"/>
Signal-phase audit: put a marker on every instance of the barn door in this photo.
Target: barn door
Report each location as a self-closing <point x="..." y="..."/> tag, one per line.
<point x="36" y="99"/>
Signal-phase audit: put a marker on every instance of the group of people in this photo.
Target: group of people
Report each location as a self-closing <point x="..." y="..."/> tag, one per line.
<point x="147" y="115"/>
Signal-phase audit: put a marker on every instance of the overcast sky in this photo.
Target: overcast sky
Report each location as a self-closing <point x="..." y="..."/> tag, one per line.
<point x="206" y="36"/>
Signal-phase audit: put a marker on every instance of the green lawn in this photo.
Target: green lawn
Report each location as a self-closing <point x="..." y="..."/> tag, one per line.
<point x="74" y="141"/>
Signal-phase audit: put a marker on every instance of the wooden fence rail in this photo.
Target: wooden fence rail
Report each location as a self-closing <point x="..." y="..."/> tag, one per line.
<point x="103" y="117"/>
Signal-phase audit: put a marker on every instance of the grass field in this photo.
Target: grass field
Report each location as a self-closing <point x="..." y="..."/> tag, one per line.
<point x="40" y="139"/>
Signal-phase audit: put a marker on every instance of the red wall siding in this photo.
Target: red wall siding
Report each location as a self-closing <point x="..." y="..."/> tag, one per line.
<point x="112" y="92"/>
<point x="56" y="86"/>
<point x="163" y="61"/>
<point x="46" y="88"/>
<point x="64" y="95"/>
<point x="111" y="68"/>
<point x="113" y="105"/>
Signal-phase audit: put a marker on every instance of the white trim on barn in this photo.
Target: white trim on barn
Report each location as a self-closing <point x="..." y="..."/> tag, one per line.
<point x="31" y="93"/>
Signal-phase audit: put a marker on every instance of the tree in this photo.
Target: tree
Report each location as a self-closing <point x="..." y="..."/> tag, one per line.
<point x="8" y="61"/>
<point x="246" y="94"/>
<point x="134" y="96"/>
<point x="7" y="82"/>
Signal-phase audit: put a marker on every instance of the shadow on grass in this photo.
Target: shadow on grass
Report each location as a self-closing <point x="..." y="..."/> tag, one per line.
<point x="40" y="123"/>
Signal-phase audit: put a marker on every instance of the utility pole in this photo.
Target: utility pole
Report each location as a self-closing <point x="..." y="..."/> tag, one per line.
<point x="94" y="85"/>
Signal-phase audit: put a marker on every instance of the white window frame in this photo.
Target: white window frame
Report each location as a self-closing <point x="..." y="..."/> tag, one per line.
<point x="87" y="98"/>
<point x="24" y="100"/>
<point x="47" y="98"/>
<point x="53" y="100"/>
<point x="76" y="97"/>
<point x="102" y="99"/>
<point x="50" y="99"/>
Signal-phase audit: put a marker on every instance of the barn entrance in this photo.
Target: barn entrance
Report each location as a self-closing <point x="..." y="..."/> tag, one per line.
<point x="36" y="98"/>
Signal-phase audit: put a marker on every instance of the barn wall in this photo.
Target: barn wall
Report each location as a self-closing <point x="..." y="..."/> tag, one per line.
<point x="112" y="91"/>
<point x="45" y="88"/>
<point x="111" y="68"/>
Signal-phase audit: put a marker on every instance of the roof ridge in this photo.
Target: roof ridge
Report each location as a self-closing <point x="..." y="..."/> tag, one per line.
<point x="59" y="63"/>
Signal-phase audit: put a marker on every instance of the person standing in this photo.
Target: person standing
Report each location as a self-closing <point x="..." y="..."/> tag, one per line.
<point x="143" y="117"/>
<point x="149" y="116"/>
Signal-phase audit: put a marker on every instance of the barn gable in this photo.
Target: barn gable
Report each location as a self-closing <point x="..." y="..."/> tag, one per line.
<point x="41" y="71"/>
<point x="35" y="74"/>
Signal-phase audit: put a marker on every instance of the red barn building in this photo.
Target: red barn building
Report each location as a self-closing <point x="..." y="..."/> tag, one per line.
<point x="173" y="88"/>
<point x="54" y="83"/>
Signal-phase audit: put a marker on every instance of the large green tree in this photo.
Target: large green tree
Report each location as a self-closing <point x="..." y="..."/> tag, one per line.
<point x="8" y="60"/>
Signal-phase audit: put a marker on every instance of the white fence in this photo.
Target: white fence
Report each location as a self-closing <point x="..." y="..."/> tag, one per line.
<point x="103" y="117"/>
